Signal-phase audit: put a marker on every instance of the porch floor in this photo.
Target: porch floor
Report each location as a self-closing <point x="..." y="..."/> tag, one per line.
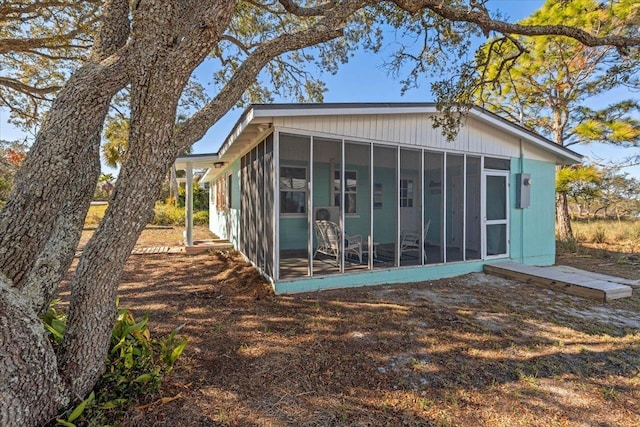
<point x="294" y="263"/>
<point x="576" y="282"/>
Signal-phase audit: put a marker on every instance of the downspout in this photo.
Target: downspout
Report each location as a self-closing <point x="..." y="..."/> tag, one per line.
<point x="521" y="210"/>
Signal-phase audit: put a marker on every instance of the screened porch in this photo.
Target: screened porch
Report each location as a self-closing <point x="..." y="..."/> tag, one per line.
<point x="348" y="206"/>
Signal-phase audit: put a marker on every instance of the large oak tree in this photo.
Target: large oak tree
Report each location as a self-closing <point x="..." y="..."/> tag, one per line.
<point x="153" y="47"/>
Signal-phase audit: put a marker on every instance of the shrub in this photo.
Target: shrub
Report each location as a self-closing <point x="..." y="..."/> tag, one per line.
<point x="135" y="367"/>
<point x="168" y="215"/>
<point x="200" y="197"/>
<point x="201" y="218"/>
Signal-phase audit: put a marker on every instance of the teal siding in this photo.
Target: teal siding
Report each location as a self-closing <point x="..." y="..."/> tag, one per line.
<point x="294" y="230"/>
<point x="226" y="224"/>
<point x="293" y="233"/>
<point x="532" y="231"/>
<point x="379" y="277"/>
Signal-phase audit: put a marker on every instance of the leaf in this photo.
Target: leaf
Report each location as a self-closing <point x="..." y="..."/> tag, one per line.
<point x="177" y="351"/>
<point x="80" y="408"/>
<point x="115" y="403"/>
<point x="65" y="423"/>
<point x="144" y="378"/>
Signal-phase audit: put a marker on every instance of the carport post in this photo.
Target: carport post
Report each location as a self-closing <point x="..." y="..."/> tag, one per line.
<point x="188" y="204"/>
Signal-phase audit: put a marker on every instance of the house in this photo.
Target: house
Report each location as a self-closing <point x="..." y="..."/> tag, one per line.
<point x="321" y="196"/>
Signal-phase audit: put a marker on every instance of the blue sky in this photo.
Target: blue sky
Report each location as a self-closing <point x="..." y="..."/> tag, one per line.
<point x="363" y="79"/>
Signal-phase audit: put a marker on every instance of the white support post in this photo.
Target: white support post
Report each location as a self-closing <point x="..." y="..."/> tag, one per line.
<point x="188" y="204"/>
<point x="310" y="205"/>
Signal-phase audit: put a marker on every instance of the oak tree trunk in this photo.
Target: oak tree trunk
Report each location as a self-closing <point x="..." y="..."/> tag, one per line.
<point x="155" y="91"/>
<point x="30" y="388"/>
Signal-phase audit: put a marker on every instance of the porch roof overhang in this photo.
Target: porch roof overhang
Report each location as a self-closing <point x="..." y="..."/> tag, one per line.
<point x="257" y="120"/>
<point x="197" y="161"/>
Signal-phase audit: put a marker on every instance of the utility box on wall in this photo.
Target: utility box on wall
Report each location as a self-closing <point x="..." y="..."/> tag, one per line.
<point x="523" y="190"/>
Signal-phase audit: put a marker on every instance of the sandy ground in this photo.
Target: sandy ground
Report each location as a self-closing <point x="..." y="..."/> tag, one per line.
<point x="469" y="351"/>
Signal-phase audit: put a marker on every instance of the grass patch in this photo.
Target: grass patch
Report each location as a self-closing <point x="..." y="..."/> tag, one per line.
<point x="606" y="231"/>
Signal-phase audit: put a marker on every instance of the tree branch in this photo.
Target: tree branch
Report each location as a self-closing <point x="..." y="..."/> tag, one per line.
<point x="324" y="30"/>
<point x="26" y="89"/>
<point x="483" y="20"/>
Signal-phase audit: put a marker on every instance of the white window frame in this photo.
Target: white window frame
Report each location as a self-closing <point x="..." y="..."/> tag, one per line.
<point x="334" y="192"/>
<point x="408" y="198"/>
<point x="305" y="191"/>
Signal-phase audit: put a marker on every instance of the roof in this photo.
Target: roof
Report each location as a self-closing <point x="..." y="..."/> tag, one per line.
<point x="257" y="120"/>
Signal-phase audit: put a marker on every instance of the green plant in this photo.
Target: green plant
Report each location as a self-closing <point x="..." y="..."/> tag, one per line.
<point x="55" y="323"/>
<point x="135" y="366"/>
<point x="201" y="218"/>
<point x="168" y="215"/>
<point x="77" y="411"/>
<point x="200" y="197"/>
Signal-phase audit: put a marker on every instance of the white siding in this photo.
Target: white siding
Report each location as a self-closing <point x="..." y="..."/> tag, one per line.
<point x="412" y="130"/>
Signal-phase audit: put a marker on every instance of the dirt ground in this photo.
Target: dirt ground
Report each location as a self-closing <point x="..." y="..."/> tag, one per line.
<point x="469" y="351"/>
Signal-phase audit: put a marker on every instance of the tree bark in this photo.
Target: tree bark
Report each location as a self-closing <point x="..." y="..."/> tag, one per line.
<point x="156" y="85"/>
<point x="563" y="220"/>
<point x="41" y="223"/>
<point x="30" y="387"/>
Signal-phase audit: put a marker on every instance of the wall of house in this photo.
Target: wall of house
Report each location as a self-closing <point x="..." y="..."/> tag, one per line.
<point x="412" y="130"/>
<point x="531" y="239"/>
<point x="294" y="230"/>
<point x="256" y="206"/>
<point x="532" y="230"/>
<point x="248" y="221"/>
<point x="226" y="223"/>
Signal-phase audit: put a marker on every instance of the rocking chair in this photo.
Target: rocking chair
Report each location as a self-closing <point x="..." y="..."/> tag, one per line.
<point x="329" y="238"/>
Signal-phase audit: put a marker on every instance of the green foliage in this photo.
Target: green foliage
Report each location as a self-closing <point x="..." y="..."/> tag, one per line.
<point x="166" y="214"/>
<point x="43" y="43"/>
<point x="135" y="366"/>
<point x="55" y="323"/>
<point x="116" y="133"/>
<point x="201" y="218"/>
<point x="544" y="82"/>
<point x="200" y="197"/>
<point x="579" y="181"/>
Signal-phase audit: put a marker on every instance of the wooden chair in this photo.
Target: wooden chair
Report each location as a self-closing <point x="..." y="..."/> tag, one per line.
<point x="329" y="238"/>
<point x="410" y="241"/>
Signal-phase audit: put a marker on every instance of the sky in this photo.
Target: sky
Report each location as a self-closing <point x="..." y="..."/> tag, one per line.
<point x="363" y="79"/>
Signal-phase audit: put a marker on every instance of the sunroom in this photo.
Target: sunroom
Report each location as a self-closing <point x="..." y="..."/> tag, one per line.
<point x="335" y="195"/>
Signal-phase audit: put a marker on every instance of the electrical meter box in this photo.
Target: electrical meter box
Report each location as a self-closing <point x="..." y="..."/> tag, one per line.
<point x="523" y="190"/>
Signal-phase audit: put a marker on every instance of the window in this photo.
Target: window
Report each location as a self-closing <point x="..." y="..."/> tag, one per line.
<point x="497" y="164"/>
<point x="406" y="193"/>
<point x="350" y="191"/>
<point x="220" y="195"/>
<point x="293" y="190"/>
